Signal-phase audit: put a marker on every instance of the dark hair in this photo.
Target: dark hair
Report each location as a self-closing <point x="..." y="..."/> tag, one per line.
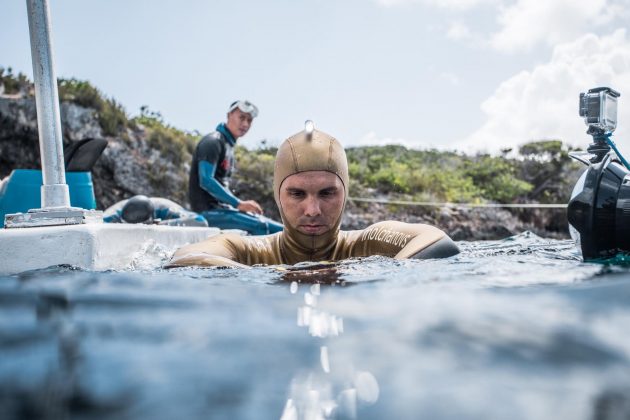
<point x="138" y="209"/>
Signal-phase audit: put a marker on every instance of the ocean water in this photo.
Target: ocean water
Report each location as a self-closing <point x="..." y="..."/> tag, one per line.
<point x="512" y="329"/>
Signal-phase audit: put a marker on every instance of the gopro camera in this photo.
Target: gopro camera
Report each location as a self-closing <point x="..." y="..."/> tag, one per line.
<point x="598" y="107"/>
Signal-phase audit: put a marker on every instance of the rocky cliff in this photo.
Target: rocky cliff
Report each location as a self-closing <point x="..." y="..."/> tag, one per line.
<point x="146" y="156"/>
<point x="129" y="165"/>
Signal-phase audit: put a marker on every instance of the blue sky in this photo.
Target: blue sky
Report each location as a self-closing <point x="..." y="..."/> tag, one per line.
<point x="452" y="74"/>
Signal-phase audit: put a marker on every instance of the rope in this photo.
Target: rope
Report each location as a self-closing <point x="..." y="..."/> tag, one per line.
<point x="612" y="144"/>
<point x="460" y="205"/>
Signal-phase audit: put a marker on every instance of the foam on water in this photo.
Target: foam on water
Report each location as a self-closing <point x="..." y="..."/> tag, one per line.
<point x="518" y="329"/>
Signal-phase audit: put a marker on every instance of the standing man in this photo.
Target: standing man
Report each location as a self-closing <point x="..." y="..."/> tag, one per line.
<point x="210" y="175"/>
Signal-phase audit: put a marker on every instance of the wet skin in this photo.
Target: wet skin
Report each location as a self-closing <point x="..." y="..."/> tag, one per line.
<point x="312" y="201"/>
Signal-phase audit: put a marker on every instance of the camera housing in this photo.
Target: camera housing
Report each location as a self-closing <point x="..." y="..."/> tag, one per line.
<point x="598" y="107"/>
<point x="599" y="209"/>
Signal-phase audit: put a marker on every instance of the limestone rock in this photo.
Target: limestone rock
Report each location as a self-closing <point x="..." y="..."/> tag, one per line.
<point x="128" y="166"/>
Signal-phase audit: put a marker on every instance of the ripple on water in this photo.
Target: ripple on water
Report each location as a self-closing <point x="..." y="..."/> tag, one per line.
<point x="501" y="330"/>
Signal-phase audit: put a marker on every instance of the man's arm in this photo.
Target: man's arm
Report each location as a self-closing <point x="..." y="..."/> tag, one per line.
<point x="113" y="214"/>
<point x="403" y="240"/>
<point x="209" y="183"/>
<point x="170" y="213"/>
<point x="214" y="252"/>
<point x="190" y="220"/>
<point x="428" y="242"/>
<point x="443" y="248"/>
<point x="114" y="217"/>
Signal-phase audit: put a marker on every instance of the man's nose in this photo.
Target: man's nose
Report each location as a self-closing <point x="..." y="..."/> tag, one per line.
<point x="312" y="207"/>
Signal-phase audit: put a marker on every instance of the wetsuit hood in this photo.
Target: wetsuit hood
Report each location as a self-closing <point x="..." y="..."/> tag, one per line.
<point x="309" y="150"/>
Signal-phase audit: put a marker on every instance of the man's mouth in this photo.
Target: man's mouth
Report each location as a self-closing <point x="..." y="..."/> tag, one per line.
<point x="311" y="228"/>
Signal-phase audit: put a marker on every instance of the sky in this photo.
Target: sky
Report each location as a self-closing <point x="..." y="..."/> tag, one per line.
<point x="466" y="75"/>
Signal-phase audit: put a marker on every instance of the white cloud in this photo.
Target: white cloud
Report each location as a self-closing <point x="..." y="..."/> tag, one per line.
<point x="458" y="31"/>
<point x="444" y="4"/>
<point x="527" y="23"/>
<point x="542" y="103"/>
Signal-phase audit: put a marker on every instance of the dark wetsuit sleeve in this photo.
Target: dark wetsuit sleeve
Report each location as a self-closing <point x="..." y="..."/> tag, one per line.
<point x="395" y="239"/>
<point x="113" y="214"/>
<point x="114" y="217"/>
<point x="209" y="183"/>
<point x="443" y="248"/>
<point x="209" y="155"/>
<point x="192" y="220"/>
<point x="177" y="216"/>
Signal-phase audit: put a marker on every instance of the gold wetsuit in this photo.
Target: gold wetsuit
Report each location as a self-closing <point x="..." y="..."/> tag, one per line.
<point x="313" y="150"/>
<point x="392" y="239"/>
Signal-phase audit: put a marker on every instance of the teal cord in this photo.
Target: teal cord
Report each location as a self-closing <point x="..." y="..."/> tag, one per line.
<point x="614" y="147"/>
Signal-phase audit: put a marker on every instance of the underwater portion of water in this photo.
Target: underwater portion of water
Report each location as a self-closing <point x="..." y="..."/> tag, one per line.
<point x="518" y="329"/>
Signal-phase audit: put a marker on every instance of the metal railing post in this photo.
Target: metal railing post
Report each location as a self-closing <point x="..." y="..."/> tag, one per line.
<point x="55" y="195"/>
<point x="54" y="191"/>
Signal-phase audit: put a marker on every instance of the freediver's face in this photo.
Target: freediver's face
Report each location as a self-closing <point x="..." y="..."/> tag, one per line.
<point x="238" y="122"/>
<point x="312" y="201"/>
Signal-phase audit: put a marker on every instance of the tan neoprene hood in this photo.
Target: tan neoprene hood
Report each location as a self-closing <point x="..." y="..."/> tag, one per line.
<point x="309" y="150"/>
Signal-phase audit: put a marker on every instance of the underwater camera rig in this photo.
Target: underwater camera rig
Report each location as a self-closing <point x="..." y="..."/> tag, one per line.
<point x="599" y="209"/>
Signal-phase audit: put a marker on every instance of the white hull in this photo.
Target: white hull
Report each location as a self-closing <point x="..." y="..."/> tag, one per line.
<point x="95" y="246"/>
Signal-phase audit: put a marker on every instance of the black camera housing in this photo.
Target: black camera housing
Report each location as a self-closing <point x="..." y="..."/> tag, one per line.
<point x="600" y="212"/>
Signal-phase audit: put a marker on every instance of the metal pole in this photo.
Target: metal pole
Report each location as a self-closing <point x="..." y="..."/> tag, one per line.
<point x="54" y="191"/>
<point x="55" y="209"/>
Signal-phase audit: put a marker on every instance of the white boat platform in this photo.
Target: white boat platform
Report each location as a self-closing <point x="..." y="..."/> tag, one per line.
<point x="92" y="246"/>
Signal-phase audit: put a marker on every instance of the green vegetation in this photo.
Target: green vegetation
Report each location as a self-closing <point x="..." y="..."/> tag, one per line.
<point x="548" y="167"/>
<point x="540" y="171"/>
<point x="253" y="177"/>
<point x="430" y="175"/>
<point x="13" y="83"/>
<point x="111" y="115"/>
<point x="174" y="144"/>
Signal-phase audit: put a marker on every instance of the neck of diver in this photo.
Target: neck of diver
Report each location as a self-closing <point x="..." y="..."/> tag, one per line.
<point x="297" y="247"/>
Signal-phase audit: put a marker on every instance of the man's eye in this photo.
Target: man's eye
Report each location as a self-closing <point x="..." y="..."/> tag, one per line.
<point x="296" y="194"/>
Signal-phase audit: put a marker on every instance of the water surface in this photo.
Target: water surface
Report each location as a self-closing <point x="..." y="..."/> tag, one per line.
<point x="518" y="329"/>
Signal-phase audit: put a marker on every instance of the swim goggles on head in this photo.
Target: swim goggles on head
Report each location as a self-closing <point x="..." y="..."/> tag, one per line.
<point x="245" y="106"/>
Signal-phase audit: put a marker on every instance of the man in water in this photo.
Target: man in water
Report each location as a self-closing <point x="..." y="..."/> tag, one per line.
<point x="311" y="188"/>
<point x="161" y="211"/>
<point x="210" y="175"/>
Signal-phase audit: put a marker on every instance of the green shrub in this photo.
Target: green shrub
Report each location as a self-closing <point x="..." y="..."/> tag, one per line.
<point x="546" y="165"/>
<point x="13" y="84"/>
<point x="111" y="114"/>
<point x="172" y="143"/>
<point x="495" y="178"/>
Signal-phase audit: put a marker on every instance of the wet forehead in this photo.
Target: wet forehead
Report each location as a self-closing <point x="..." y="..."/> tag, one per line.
<point x="312" y="180"/>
